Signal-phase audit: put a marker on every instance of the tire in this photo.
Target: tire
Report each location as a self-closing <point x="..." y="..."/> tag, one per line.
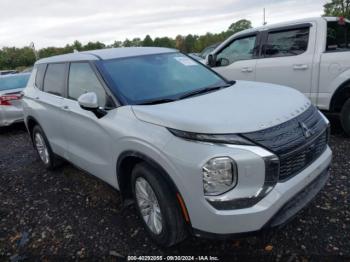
<point x="345" y="117"/>
<point x="172" y="229"/>
<point x="44" y="150"/>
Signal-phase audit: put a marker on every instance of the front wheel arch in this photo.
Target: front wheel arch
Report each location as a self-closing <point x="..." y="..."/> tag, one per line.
<point x="127" y="161"/>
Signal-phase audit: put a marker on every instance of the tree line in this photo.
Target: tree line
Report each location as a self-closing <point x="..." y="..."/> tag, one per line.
<point x="18" y="58"/>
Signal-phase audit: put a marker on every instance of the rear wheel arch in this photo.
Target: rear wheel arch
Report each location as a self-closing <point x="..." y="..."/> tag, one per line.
<point x="31" y="122"/>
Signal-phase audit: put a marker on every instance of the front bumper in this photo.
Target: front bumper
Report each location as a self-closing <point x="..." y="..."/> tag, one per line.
<point x="282" y="203"/>
<point x="285" y="214"/>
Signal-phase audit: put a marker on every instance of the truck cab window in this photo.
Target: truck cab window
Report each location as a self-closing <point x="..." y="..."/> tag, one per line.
<point x="239" y="49"/>
<point x="338" y="37"/>
<point x="286" y="43"/>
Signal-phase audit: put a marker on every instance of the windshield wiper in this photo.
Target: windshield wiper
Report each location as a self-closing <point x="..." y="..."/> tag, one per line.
<point x="157" y="101"/>
<point x="204" y="90"/>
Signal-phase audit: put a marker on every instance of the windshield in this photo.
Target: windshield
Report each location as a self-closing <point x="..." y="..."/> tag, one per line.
<point x="13" y="81"/>
<point x="138" y="80"/>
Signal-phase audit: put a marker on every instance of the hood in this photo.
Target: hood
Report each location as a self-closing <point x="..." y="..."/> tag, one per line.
<point x="243" y="107"/>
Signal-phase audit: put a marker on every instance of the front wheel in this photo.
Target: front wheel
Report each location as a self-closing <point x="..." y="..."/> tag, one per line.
<point x="157" y="206"/>
<point x="345" y="117"/>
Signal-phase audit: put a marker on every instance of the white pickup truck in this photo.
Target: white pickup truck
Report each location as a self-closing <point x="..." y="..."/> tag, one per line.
<point x="311" y="55"/>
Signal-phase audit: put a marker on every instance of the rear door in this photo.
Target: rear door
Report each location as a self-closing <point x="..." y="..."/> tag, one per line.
<point x="287" y="57"/>
<point x="50" y="106"/>
<point x="237" y="59"/>
<point x="89" y="145"/>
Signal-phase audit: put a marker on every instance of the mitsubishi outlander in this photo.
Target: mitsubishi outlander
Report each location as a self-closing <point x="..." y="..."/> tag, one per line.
<point x="197" y="154"/>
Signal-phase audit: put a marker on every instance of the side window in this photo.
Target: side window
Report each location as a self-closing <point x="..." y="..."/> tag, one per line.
<point x="239" y="49"/>
<point x="82" y="79"/>
<point x="338" y="36"/>
<point x="40" y="76"/>
<point x="286" y="43"/>
<point x="54" y="81"/>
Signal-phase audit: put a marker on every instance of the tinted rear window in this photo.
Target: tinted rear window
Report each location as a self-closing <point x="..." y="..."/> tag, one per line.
<point x="338" y="37"/>
<point x="54" y="82"/>
<point x="13" y="81"/>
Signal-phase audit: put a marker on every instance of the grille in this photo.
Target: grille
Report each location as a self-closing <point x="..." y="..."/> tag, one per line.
<point x="294" y="162"/>
<point x="288" y="141"/>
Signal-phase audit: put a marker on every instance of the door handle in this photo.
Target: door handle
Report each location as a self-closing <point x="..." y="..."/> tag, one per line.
<point x="300" y="67"/>
<point x="37" y="98"/>
<point x="65" y="107"/>
<point x="247" y="69"/>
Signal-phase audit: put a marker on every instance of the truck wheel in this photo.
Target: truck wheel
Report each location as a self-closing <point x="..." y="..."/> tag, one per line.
<point x="345" y="117"/>
<point x="157" y="206"/>
<point x="43" y="148"/>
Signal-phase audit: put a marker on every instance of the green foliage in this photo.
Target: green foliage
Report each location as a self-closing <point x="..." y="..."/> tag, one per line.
<point x="164" y="42"/>
<point x="337" y="8"/>
<point x="12" y="57"/>
<point x="117" y="44"/>
<point x="240" y="25"/>
<point x="147" y="41"/>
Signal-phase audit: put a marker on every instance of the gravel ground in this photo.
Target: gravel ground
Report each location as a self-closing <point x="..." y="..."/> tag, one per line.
<point x="67" y="214"/>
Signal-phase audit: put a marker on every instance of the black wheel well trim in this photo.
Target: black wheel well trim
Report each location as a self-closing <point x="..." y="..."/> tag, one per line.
<point x="29" y="120"/>
<point x="143" y="158"/>
<point x="125" y="189"/>
<point x="343" y="88"/>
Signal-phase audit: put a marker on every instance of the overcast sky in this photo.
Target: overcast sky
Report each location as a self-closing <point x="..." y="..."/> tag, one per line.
<point x="55" y="23"/>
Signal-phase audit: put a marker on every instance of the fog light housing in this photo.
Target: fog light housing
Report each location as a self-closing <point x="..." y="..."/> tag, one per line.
<point x="219" y="176"/>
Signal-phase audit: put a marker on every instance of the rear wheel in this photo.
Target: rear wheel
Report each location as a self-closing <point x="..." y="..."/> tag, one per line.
<point x="43" y="148"/>
<point x="345" y="117"/>
<point x="157" y="206"/>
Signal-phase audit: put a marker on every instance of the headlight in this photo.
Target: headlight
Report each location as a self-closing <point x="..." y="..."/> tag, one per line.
<point x="212" y="138"/>
<point x="219" y="176"/>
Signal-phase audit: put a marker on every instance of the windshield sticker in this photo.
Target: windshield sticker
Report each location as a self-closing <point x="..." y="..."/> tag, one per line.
<point x="185" y="61"/>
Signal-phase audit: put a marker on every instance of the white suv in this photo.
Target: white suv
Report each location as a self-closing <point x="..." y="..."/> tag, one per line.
<point x="311" y="55"/>
<point x="196" y="153"/>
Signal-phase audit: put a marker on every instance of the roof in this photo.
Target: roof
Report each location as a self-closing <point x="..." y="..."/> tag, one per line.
<point x="287" y="23"/>
<point x="104" y="54"/>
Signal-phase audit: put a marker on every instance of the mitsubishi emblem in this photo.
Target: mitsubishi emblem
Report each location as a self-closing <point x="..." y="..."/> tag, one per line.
<point x="306" y="131"/>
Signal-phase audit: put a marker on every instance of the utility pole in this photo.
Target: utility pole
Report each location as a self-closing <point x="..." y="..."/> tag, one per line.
<point x="32" y="46"/>
<point x="264" y="17"/>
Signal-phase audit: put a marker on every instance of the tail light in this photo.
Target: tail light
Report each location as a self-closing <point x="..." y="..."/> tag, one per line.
<point x="5" y="100"/>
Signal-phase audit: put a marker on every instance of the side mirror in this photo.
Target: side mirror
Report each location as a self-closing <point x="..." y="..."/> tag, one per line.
<point x="88" y="101"/>
<point x="211" y="60"/>
<point x="223" y="62"/>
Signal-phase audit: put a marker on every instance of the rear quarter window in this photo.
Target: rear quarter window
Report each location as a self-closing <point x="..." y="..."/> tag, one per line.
<point x="40" y="76"/>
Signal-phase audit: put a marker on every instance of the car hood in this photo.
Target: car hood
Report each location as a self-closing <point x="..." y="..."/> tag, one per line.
<point x="243" y="107"/>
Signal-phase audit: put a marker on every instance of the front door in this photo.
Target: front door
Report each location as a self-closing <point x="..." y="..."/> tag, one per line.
<point x="236" y="61"/>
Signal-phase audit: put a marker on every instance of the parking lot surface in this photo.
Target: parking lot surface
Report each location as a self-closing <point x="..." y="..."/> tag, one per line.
<point x="67" y="214"/>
